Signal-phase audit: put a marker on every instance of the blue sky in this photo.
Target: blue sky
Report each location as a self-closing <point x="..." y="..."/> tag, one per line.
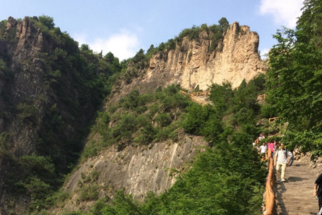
<point x="125" y="26"/>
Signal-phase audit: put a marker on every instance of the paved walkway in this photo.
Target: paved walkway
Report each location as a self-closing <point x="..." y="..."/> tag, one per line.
<point x="295" y="196"/>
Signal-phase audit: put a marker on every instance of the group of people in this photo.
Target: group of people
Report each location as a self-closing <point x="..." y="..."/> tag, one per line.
<point x="282" y="159"/>
<point x="282" y="156"/>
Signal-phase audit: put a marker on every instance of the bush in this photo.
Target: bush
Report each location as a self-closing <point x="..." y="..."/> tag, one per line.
<point x="89" y="193"/>
<point x="162" y="119"/>
<point x="26" y="111"/>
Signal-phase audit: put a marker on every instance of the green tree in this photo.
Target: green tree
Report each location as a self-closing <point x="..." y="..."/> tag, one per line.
<point x="47" y="21"/>
<point x="109" y="57"/>
<point x="224" y="24"/>
<point x="294" y="78"/>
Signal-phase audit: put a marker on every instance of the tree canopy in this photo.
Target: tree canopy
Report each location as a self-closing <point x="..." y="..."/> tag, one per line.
<point x="295" y="74"/>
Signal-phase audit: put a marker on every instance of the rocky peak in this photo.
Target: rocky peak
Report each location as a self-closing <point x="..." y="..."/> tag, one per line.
<point x="27" y="37"/>
<point x="192" y="63"/>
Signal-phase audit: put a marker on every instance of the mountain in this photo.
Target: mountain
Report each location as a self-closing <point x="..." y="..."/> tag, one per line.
<point x="139" y="168"/>
<point x="49" y="93"/>
<point x="60" y="104"/>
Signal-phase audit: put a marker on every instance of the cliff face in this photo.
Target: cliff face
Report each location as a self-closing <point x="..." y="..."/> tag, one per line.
<point x="20" y="83"/>
<point x="42" y="107"/>
<point x="192" y="65"/>
<point x="136" y="169"/>
<point x="23" y="82"/>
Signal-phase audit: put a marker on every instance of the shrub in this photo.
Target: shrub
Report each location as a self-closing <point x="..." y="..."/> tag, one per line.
<point x="162" y="119"/>
<point x="89" y="193"/>
<point x="26" y="111"/>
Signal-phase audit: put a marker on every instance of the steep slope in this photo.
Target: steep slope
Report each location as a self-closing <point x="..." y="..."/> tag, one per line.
<point x="49" y="92"/>
<point x="137" y="169"/>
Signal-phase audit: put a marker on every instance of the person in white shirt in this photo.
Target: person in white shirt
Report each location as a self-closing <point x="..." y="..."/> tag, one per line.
<point x="263" y="150"/>
<point x="280" y="161"/>
<point x="261" y="137"/>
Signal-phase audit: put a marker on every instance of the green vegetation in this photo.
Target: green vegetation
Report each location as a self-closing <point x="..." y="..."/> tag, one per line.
<point x="294" y="79"/>
<point x="89" y="193"/>
<point x="215" y="30"/>
<point x="227" y="178"/>
<point x="75" y="82"/>
<point x="47" y="21"/>
<point x="139" y="119"/>
<point x="3" y="24"/>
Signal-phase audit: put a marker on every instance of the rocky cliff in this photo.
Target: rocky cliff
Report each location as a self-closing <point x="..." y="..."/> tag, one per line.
<point x="137" y="169"/>
<point x="191" y="64"/>
<point x="44" y="108"/>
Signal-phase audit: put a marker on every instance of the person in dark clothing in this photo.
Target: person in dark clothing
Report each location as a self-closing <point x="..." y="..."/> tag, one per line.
<point x="318" y="190"/>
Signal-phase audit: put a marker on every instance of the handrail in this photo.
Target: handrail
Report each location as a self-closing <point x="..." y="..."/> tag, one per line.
<point x="269" y="192"/>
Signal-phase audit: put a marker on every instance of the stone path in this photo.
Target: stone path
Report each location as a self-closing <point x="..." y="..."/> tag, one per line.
<point x="295" y="196"/>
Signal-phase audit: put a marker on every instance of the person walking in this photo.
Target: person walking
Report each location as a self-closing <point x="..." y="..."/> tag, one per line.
<point x="263" y="150"/>
<point x="261" y="137"/>
<point x="317" y="193"/>
<point x="271" y="147"/>
<point x="280" y="162"/>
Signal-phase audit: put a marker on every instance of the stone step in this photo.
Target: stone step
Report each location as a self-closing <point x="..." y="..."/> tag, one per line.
<point x="295" y="196"/>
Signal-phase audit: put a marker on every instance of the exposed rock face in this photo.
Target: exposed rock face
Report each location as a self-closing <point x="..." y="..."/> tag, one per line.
<point x="30" y="104"/>
<point x="137" y="169"/>
<point x="26" y="43"/>
<point x="191" y="64"/>
<point x="21" y="43"/>
<point x="238" y="60"/>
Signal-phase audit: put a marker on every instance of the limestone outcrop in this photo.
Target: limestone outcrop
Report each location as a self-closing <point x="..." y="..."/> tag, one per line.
<point x="36" y="117"/>
<point x="238" y="60"/>
<point x="191" y="64"/>
<point x="137" y="169"/>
